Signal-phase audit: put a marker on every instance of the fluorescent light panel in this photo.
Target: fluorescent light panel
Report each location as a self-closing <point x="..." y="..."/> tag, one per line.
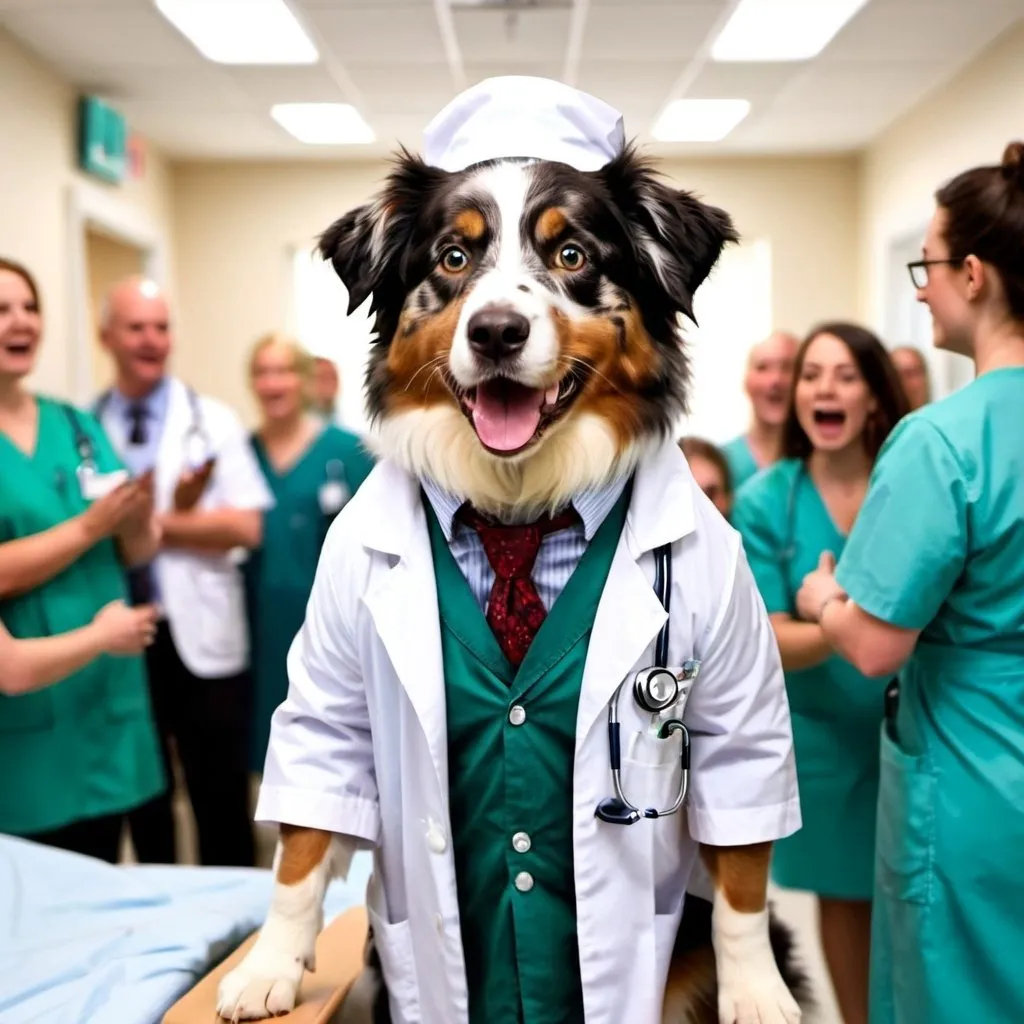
<point x="782" y="30"/>
<point x="699" y="120"/>
<point x="236" y="32"/>
<point x="323" y="124"/>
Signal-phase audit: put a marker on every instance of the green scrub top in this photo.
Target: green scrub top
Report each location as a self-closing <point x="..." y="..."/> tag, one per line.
<point x="279" y="576"/>
<point x="939" y="547"/>
<point x="87" y="746"/>
<point x="836" y="710"/>
<point x="741" y="460"/>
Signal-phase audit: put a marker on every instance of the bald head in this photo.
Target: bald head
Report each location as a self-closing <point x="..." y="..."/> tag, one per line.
<point x="135" y="329"/>
<point x="769" y="377"/>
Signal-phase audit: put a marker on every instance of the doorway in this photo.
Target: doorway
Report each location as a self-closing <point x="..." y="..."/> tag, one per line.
<point x="107" y="260"/>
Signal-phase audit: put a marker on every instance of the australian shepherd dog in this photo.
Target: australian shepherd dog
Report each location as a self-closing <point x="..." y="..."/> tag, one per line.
<point x="528" y="347"/>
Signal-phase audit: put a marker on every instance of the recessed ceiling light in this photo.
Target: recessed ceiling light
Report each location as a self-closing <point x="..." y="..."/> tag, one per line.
<point x="782" y="30"/>
<point x="699" y="120"/>
<point x="230" y="32"/>
<point x="323" y="124"/>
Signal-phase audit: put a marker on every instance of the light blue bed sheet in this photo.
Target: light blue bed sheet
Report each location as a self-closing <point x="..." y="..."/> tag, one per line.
<point x="84" y="942"/>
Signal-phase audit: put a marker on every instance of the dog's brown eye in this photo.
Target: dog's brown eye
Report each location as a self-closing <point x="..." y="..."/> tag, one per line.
<point x="454" y="260"/>
<point x="571" y="258"/>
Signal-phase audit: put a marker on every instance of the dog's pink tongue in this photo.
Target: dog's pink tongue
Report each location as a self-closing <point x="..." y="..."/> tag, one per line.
<point x="506" y="414"/>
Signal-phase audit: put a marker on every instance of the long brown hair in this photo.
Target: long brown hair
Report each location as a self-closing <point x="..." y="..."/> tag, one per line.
<point x="985" y="218"/>
<point x="16" y="268"/>
<point x="879" y="374"/>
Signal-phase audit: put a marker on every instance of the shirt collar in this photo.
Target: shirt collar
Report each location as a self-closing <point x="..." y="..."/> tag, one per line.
<point x="154" y="404"/>
<point x="593" y="505"/>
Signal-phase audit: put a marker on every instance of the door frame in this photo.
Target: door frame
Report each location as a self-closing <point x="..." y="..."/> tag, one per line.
<point x="93" y="209"/>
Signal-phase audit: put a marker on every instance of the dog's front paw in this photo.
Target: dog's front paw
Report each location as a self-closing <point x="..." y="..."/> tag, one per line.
<point x="264" y="984"/>
<point x="756" y="996"/>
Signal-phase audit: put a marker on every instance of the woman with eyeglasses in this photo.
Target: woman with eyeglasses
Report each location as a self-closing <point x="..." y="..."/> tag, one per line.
<point x="931" y="584"/>
<point x="710" y="468"/>
<point x="845" y="399"/>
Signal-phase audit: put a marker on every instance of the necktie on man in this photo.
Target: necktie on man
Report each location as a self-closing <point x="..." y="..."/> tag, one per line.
<point x="137" y="424"/>
<point x="515" y="611"/>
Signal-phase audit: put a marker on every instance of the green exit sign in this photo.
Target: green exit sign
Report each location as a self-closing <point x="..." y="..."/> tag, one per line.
<point x="102" y="140"/>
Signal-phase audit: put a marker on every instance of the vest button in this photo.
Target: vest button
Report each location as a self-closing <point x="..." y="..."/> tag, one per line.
<point x="524" y="881"/>
<point x="517" y="715"/>
<point x="521" y="842"/>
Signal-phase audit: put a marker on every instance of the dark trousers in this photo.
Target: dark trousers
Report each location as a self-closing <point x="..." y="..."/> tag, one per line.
<point x="95" y="837"/>
<point x="208" y="720"/>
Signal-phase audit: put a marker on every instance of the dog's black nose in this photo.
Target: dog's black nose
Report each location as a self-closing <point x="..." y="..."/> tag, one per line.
<point x="497" y="332"/>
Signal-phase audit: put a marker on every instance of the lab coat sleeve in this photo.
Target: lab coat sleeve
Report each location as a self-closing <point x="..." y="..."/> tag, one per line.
<point x="319" y="770"/>
<point x="760" y="521"/>
<point x="743" y="785"/>
<point x="237" y="479"/>
<point x="899" y="577"/>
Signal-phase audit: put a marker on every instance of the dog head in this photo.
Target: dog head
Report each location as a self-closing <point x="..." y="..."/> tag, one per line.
<point x="526" y="318"/>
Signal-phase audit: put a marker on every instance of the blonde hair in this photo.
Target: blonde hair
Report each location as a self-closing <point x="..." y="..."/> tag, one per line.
<point x="302" y="361"/>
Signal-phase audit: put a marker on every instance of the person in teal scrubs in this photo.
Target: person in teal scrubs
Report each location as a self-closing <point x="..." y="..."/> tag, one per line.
<point x="80" y="753"/>
<point x="313" y="469"/>
<point x="710" y="469"/>
<point x="847" y="397"/>
<point x="767" y="382"/>
<point x="931" y="584"/>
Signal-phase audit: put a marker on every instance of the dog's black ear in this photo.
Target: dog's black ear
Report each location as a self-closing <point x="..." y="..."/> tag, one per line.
<point x="678" y="238"/>
<point x="368" y="246"/>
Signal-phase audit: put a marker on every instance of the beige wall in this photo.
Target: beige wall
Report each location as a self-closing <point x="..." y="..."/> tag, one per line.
<point x="234" y="225"/>
<point x="967" y="122"/>
<point x="37" y="171"/>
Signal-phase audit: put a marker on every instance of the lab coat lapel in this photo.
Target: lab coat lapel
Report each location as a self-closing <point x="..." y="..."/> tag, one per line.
<point x="403" y="604"/>
<point x="169" y="453"/>
<point x="629" y="614"/>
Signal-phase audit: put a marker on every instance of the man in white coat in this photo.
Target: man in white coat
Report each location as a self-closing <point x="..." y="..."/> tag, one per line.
<point x="485" y="603"/>
<point x="210" y="496"/>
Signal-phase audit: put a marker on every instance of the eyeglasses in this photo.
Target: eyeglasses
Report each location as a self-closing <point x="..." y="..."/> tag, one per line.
<point x="919" y="269"/>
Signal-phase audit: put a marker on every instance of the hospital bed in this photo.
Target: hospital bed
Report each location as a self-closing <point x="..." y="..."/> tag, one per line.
<point x="85" y="942"/>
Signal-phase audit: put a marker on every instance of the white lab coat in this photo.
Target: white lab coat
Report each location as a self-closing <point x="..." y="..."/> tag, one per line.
<point x="203" y="595"/>
<point x="359" y="745"/>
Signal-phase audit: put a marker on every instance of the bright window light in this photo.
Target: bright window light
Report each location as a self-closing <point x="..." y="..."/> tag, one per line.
<point x="323" y="124"/>
<point x="241" y="31"/>
<point x="699" y="120"/>
<point x="782" y="30"/>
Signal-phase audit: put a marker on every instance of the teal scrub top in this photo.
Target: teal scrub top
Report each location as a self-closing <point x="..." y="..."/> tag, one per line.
<point x="836" y="710"/>
<point x="86" y="746"/>
<point x="939" y="547"/>
<point x="279" y="576"/>
<point x="741" y="460"/>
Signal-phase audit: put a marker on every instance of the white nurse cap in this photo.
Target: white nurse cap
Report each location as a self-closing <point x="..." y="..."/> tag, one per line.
<point x="520" y="116"/>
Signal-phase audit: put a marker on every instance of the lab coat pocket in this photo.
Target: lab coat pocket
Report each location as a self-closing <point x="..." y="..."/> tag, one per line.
<point x="906" y="825"/>
<point x="394" y="945"/>
<point x="28" y="712"/>
<point x="221" y="612"/>
<point x="650" y="769"/>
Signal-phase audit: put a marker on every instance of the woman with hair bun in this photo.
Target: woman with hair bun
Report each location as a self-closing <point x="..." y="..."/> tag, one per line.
<point x="931" y="585"/>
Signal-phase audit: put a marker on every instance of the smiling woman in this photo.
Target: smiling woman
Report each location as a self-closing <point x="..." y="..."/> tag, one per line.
<point x="845" y="400"/>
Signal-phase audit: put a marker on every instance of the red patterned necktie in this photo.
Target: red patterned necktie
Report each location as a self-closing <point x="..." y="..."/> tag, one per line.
<point x="514" y="610"/>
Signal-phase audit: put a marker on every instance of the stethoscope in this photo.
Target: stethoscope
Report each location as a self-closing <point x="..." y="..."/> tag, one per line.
<point x="655" y="690"/>
<point x="196" y="444"/>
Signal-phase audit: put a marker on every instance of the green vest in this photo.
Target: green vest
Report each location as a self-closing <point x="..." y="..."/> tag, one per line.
<point x="511" y="747"/>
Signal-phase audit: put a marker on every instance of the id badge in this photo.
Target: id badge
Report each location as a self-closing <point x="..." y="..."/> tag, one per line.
<point x="98" y="485"/>
<point x="332" y="497"/>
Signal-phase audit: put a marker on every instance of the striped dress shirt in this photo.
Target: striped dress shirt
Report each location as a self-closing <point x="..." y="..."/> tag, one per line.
<point x="559" y="553"/>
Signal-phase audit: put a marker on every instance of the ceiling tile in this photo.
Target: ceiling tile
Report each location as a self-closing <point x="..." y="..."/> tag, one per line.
<point x="648" y="32"/>
<point x="387" y="89"/>
<point x="106" y="35"/>
<point x="374" y="36"/>
<point x="306" y="84"/>
<point x="486" y="35"/>
<point x="755" y="82"/>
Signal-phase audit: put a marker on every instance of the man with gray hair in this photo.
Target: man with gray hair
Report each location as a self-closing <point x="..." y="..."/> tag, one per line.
<point x="210" y="498"/>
